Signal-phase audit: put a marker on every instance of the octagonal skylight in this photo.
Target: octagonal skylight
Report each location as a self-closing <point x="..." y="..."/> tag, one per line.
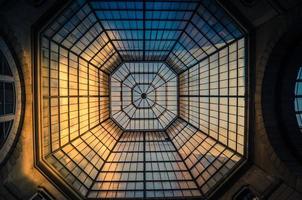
<point x="141" y="99"/>
<point x="143" y="96"/>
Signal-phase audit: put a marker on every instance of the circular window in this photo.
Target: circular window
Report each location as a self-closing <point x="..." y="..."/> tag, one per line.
<point x="10" y="101"/>
<point x="282" y="100"/>
<point x="298" y="98"/>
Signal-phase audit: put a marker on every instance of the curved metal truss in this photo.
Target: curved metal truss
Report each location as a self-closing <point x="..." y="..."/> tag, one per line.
<point x="7" y="99"/>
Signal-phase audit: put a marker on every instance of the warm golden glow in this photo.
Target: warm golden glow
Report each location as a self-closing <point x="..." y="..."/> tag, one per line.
<point x="142" y="99"/>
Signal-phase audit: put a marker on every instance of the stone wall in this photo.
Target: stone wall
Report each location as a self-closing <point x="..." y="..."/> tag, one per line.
<point x="19" y="178"/>
<point x="269" y="176"/>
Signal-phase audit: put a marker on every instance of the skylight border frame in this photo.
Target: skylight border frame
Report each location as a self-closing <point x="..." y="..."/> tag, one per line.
<point x="178" y="104"/>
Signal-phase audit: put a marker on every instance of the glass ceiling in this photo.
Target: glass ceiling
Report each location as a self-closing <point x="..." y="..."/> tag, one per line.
<point x="142" y="99"/>
<point x="143" y="96"/>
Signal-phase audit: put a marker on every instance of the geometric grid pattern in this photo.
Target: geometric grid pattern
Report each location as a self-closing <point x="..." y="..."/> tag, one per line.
<point x="298" y="98"/>
<point x="144" y="164"/>
<point x="212" y="96"/>
<point x="109" y="131"/>
<point x="143" y="96"/>
<point x="207" y="159"/>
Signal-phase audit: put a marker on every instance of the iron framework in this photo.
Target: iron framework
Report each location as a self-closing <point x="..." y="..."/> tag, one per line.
<point x="142" y="98"/>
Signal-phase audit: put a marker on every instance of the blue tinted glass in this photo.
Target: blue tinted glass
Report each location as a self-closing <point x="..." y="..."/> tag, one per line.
<point x="298" y="98"/>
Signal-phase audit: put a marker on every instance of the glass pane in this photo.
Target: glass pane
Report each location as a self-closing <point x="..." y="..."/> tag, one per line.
<point x="298" y="98"/>
<point x="143" y="98"/>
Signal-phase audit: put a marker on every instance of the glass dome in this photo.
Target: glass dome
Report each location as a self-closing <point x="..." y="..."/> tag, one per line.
<point x="142" y="99"/>
<point x="143" y="96"/>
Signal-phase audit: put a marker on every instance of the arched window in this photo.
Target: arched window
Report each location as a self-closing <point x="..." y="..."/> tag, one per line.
<point x="7" y="99"/>
<point x="282" y="100"/>
<point x="298" y="98"/>
<point x="10" y="100"/>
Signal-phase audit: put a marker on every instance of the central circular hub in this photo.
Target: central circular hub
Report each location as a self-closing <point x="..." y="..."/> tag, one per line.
<point x="144" y="95"/>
